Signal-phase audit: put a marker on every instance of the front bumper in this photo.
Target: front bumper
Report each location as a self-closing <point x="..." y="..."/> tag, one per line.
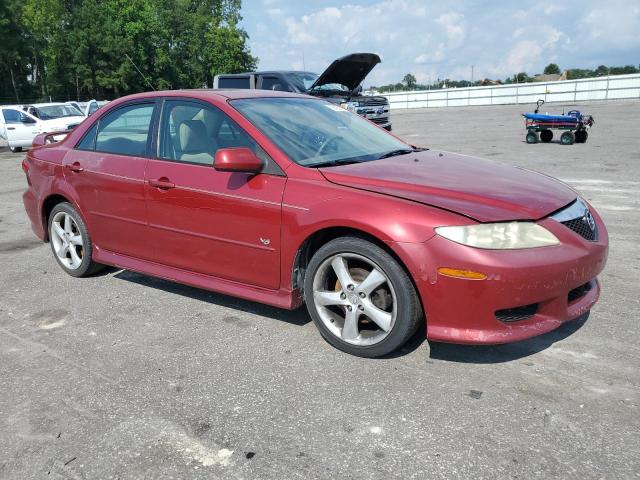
<point x="378" y="115"/>
<point x="464" y="311"/>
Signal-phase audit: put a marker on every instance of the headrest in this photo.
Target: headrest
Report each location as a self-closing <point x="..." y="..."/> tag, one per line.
<point x="193" y="137"/>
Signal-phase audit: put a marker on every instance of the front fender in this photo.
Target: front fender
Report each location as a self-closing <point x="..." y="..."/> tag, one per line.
<point x="311" y="205"/>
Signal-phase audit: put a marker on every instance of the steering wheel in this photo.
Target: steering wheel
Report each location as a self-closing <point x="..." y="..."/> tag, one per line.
<point x="326" y="143"/>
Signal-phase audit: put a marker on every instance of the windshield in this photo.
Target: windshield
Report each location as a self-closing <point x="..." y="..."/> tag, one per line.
<point x="303" y="81"/>
<point x="316" y="133"/>
<point x="57" y="111"/>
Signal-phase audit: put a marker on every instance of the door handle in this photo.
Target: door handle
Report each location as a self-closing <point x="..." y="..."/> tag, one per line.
<point x="11" y="128"/>
<point x="74" y="167"/>
<point x="162" y="183"/>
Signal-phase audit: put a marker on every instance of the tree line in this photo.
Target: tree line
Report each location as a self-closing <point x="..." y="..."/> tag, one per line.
<point x="103" y="49"/>
<point x="410" y="83"/>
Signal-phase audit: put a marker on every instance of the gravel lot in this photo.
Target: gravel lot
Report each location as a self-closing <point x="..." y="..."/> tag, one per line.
<point x="126" y="376"/>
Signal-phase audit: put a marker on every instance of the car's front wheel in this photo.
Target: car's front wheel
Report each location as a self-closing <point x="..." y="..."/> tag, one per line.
<point x="15" y="149"/>
<point x="360" y="298"/>
<point x="70" y="241"/>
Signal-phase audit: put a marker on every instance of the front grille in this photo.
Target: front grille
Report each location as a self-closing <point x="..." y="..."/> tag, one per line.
<point x="578" y="218"/>
<point x="380" y="120"/>
<point x="579" y="292"/>
<point x="582" y="228"/>
<point x="517" y="313"/>
<point x="372" y="102"/>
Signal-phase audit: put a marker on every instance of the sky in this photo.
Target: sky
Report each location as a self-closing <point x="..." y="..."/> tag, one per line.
<point x="443" y="39"/>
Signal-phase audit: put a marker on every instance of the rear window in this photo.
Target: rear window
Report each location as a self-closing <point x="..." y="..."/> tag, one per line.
<point x="233" y="82"/>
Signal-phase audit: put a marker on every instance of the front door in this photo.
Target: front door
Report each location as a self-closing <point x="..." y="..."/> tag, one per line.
<point x="21" y="128"/>
<point x="106" y="170"/>
<point x="221" y="224"/>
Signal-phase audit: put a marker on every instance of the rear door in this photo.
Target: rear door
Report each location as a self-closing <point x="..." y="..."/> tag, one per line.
<point x="20" y="128"/>
<point x="106" y="169"/>
<point x="220" y="224"/>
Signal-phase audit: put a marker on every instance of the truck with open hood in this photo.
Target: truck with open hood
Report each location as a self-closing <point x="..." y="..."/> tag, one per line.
<point x="340" y="83"/>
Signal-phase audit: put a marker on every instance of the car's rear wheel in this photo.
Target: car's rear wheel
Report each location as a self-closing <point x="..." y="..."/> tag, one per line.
<point x="16" y="149"/>
<point x="70" y="241"/>
<point x="360" y="298"/>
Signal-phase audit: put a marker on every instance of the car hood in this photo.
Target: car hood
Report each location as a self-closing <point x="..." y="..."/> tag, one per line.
<point x="62" y="122"/>
<point x="349" y="71"/>
<point x="480" y="189"/>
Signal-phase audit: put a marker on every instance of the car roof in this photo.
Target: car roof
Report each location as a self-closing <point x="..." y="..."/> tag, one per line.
<point x="265" y="72"/>
<point x="217" y="94"/>
<point x="49" y="104"/>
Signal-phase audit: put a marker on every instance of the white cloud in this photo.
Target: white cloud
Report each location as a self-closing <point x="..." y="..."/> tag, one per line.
<point x="452" y="24"/>
<point x="440" y="40"/>
<point x="614" y="24"/>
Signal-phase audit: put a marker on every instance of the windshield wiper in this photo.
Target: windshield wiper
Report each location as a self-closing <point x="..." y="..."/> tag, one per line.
<point x="334" y="163"/>
<point x="400" y="151"/>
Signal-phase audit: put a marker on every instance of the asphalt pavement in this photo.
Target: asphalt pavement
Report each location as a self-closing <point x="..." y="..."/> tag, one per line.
<point x="123" y="376"/>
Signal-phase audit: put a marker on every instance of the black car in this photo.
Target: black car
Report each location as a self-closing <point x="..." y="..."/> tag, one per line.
<point x="339" y="83"/>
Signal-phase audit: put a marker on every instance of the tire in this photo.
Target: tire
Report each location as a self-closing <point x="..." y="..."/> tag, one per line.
<point x="546" y="136"/>
<point x="15" y="149"/>
<point x="567" y="138"/>
<point x="581" y="136"/>
<point x="387" y="295"/>
<point x="67" y="238"/>
<point x="532" y="137"/>
<point x="387" y="128"/>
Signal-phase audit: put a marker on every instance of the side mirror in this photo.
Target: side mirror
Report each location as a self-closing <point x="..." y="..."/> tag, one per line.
<point x="239" y="159"/>
<point x="26" y="119"/>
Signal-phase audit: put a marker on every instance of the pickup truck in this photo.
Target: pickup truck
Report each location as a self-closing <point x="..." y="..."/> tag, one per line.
<point x="340" y="83"/>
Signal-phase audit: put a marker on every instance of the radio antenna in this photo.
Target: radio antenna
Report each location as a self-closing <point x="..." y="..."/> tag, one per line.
<point x="141" y="74"/>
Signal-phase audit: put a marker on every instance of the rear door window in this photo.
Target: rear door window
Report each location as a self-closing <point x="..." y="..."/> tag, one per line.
<point x="125" y="131"/>
<point x="234" y="82"/>
<point x="88" y="142"/>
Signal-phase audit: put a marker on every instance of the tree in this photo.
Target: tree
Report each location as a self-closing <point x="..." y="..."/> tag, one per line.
<point x="601" y="71"/>
<point x="552" y="69"/>
<point x="12" y="51"/>
<point x="410" y="81"/>
<point x="107" y="48"/>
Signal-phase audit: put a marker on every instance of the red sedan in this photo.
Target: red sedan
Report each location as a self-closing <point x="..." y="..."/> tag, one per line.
<point x="286" y="199"/>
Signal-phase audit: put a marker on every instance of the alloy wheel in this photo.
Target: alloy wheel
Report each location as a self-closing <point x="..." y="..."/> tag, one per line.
<point x="67" y="240"/>
<point x="355" y="299"/>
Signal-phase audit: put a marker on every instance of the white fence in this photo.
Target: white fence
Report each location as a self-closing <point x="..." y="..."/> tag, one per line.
<point x="601" y="88"/>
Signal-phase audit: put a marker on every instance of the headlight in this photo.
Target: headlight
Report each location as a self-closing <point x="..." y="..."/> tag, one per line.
<point x="351" y="106"/>
<point x="511" y="235"/>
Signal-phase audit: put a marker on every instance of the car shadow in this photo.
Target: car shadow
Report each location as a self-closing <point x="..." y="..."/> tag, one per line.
<point x="438" y="351"/>
<point x="298" y="317"/>
<point x="507" y="352"/>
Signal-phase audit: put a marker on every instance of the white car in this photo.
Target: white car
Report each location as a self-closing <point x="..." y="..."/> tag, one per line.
<point x="88" y="108"/>
<point x="19" y="124"/>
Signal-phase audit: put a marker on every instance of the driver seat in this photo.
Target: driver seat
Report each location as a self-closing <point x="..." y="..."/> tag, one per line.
<point x="195" y="145"/>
